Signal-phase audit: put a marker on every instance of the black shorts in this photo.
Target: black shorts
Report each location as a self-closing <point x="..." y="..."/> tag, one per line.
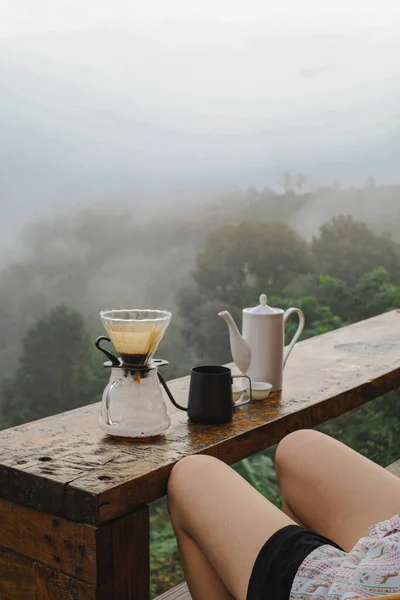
<point x="279" y="560"/>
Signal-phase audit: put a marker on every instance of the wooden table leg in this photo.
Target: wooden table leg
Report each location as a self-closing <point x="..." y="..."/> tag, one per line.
<point x="131" y="550"/>
<point x="53" y="585"/>
<point x="50" y="558"/>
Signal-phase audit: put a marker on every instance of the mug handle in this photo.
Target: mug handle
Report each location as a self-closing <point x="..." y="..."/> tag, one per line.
<point x="106" y="400"/>
<point x="296" y="336"/>
<point x="251" y="390"/>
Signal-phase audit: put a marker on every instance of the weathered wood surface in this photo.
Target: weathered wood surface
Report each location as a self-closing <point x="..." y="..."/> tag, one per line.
<point x="395" y="468"/>
<point x="111" y="559"/>
<point x="51" y="585"/>
<point x="64" y="465"/>
<point x="17" y="578"/>
<point x="73" y="548"/>
<point x="116" y="556"/>
<point x="24" y="579"/>
<point x="131" y="549"/>
<point x="180" y="592"/>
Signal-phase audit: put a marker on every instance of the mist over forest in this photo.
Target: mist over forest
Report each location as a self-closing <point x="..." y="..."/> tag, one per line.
<point x="125" y="254"/>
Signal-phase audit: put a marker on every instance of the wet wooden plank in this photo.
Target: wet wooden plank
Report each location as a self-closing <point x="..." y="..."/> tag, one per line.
<point x="93" y="478"/>
<point x="394" y="468"/>
<point x="52" y="585"/>
<point x="179" y="592"/>
<point x="131" y="548"/>
<point x="76" y="549"/>
<point x="17" y="579"/>
<point x="23" y="579"/>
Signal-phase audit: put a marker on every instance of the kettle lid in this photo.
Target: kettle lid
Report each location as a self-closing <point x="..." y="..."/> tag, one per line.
<point x="263" y="308"/>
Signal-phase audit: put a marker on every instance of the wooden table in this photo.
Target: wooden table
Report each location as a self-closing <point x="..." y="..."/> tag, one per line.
<point x="74" y="519"/>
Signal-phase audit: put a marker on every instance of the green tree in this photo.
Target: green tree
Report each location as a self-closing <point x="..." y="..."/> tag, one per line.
<point x="287" y="181"/>
<point x="236" y="265"/>
<point x="238" y="262"/>
<point x="371" y="295"/>
<point x="373" y="429"/>
<point x="300" y="181"/>
<point x="319" y="319"/>
<point x="204" y="331"/>
<point x="347" y="249"/>
<point x="57" y="370"/>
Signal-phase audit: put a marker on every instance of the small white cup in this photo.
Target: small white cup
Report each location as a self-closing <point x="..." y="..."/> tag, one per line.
<point x="260" y="389"/>
<point x="237" y="392"/>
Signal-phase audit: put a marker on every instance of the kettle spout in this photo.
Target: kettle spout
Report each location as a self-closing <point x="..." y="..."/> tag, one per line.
<point x="241" y="351"/>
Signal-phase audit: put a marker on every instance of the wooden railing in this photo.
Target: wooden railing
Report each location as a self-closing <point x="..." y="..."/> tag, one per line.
<point x="74" y="518"/>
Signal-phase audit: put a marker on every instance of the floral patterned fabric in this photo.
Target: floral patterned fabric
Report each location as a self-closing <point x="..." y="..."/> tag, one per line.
<point x="371" y="568"/>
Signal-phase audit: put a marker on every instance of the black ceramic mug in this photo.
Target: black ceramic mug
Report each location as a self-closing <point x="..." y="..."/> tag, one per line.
<point x="210" y="394"/>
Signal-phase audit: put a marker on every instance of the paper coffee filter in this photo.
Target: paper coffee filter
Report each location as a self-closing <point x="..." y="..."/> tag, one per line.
<point x="136" y="332"/>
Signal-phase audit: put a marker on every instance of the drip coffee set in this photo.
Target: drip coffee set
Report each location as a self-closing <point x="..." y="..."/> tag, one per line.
<point x="133" y="404"/>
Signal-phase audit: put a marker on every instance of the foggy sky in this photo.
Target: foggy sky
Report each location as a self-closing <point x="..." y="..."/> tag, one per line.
<point x="43" y="15"/>
<point x="217" y="65"/>
<point x="109" y="98"/>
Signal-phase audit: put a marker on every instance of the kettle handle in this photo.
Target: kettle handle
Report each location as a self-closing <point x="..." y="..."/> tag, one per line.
<point x="296" y="336"/>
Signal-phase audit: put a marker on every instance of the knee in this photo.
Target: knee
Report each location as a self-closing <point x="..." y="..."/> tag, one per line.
<point x="188" y="475"/>
<point x="294" y="448"/>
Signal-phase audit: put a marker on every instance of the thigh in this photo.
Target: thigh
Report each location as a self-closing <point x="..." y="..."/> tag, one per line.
<point x="227" y="518"/>
<point x="333" y="489"/>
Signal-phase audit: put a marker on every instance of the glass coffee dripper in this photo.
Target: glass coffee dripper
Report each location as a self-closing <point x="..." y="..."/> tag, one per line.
<point x="132" y="404"/>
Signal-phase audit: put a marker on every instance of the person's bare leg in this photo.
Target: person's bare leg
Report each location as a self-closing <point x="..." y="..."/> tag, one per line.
<point x="221" y="524"/>
<point x="288" y="511"/>
<point x="202" y="578"/>
<point x="332" y="489"/>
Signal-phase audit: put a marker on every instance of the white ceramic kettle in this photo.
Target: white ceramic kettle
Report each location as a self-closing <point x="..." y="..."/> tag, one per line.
<point x="260" y="351"/>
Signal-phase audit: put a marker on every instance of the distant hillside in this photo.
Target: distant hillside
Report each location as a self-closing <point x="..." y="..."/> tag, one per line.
<point x="376" y="205"/>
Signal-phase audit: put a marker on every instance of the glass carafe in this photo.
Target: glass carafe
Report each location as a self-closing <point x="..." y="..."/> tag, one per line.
<point x="133" y="404"/>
